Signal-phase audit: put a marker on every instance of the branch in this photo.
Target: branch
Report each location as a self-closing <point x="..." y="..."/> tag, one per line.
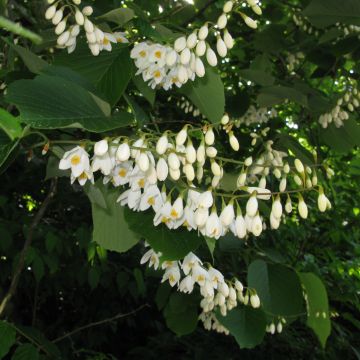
<point x="98" y="323"/>
<point x="200" y="12"/>
<point x="19" y="30"/>
<point x="16" y="276"/>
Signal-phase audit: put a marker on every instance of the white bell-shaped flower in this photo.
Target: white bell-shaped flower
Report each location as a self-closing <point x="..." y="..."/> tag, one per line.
<point x="162" y="169"/>
<point x="101" y="148"/>
<point x="162" y="144"/>
<point x="252" y="206"/>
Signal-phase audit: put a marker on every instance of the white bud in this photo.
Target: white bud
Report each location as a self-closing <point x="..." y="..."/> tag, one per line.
<point x="210" y="137"/>
<point x="60" y="28"/>
<point x="282" y="185"/>
<point x="171" y="58"/>
<point x="143" y="162"/>
<point x="322" y="202"/>
<point x="277" y="208"/>
<point x="257" y="9"/>
<point x="87" y="10"/>
<point x="286" y="168"/>
<point x="227" y="216"/>
<point x="299" y="166"/>
<point x="255" y="301"/>
<point x="279" y="328"/>
<point x="181" y="136"/>
<point x="57" y="17"/>
<point x="88" y="26"/>
<point x="174" y="161"/>
<point x="250" y="22"/>
<point x="221" y="47"/>
<point x="272" y="329"/>
<point x="228" y="39"/>
<point x="222" y="21"/>
<point x="239" y="286"/>
<point x="257" y="226"/>
<point x="297" y="180"/>
<point x="248" y="161"/>
<point x="101" y="148"/>
<point x="95" y="49"/>
<point x="240" y="228"/>
<point x="211" y="152"/>
<point x="241" y="180"/>
<point x="123" y="152"/>
<point x="175" y="174"/>
<point x="274" y="221"/>
<point x="200" y="154"/>
<point x="203" y="32"/>
<point x="183" y="74"/>
<point x="215" y="168"/>
<point x="228" y="7"/>
<point x="75" y="31"/>
<point x="190" y="153"/>
<point x="191" y="41"/>
<point x="225" y="119"/>
<point x="185" y="56"/>
<point x="91" y="37"/>
<point x="180" y="44"/>
<point x="77" y="2"/>
<point x="79" y="18"/>
<point x="63" y="38"/>
<point x="234" y="141"/>
<point x="162" y="169"/>
<point x="189" y="172"/>
<point x="199" y="67"/>
<point x="252" y="206"/>
<point x="162" y="144"/>
<point x="303" y="209"/>
<point x="223" y="288"/>
<point x="50" y="12"/>
<point x="288" y="205"/>
<point x="200" y="48"/>
<point x="211" y="57"/>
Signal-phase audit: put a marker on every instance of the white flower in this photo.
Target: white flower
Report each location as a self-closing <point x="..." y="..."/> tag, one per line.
<point x="199" y="275"/>
<point x="234" y="141"/>
<point x="106" y="42"/>
<point x="252" y="206"/>
<point x="227" y="216"/>
<point x="223" y="288"/>
<point x="240" y="227"/>
<point x="77" y="160"/>
<point x="255" y="301"/>
<point x="190" y="262"/>
<point x="152" y="257"/>
<point x="120" y="37"/>
<point x="257" y="226"/>
<point x="121" y="173"/>
<point x="172" y="274"/>
<point x="213" y="227"/>
<point x="177" y="209"/>
<point x="180" y="44"/>
<point x="222" y="21"/>
<point x="151" y="198"/>
<point x="187" y="285"/>
<point x="101" y="148"/>
<point x="205" y="200"/>
<point x="215" y="277"/>
<point x="203" y="32"/>
<point x="103" y="163"/>
<point x="302" y="207"/>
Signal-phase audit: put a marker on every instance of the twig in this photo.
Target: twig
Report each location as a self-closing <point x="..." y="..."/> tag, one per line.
<point x="19" y="30"/>
<point x="16" y="276"/>
<point x="200" y="12"/>
<point x="98" y="323"/>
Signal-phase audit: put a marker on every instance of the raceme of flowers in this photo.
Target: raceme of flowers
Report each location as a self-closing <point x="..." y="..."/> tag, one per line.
<point x="255" y="116"/>
<point x="216" y="291"/>
<point x="193" y="170"/>
<point x="187" y="106"/>
<point x="69" y="19"/>
<point x="347" y="103"/>
<point x="168" y="66"/>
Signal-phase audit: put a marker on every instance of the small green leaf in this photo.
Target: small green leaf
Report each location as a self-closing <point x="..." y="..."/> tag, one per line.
<point x="207" y="94"/>
<point x="111" y="230"/>
<point x="278" y="287"/>
<point x="173" y="244"/>
<point x="211" y="244"/>
<point x="119" y="16"/>
<point x="257" y="76"/>
<point x="246" y="324"/>
<point x="7" y="338"/>
<point x="51" y="240"/>
<point x="10" y="125"/>
<point x="93" y="277"/>
<point x="139" y="278"/>
<point x="8" y="151"/>
<point x="318" y="317"/>
<point x="148" y="93"/>
<point x="26" y="352"/>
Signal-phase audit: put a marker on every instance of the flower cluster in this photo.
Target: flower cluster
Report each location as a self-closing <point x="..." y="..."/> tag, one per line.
<point x="69" y="19"/>
<point x="347" y="103"/>
<point x="169" y="66"/>
<point x="216" y="291"/>
<point x="187" y="107"/>
<point x="272" y="328"/>
<point x="294" y="60"/>
<point x="304" y="24"/>
<point x="255" y="116"/>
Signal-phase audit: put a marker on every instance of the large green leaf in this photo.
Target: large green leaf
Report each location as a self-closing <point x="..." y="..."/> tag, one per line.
<point x="119" y="16"/>
<point x="10" y="124"/>
<point x="274" y="95"/>
<point x="322" y="13"/>
<point x="148" y="93"/>
<point x="173" y="244"/>
<point x="207" y="94"/>
<point x="26" y="352"/>
<point x="110" y="71"/>
<point x="49" y="102"/>
<point x="246" y="324"/>
<point x="181" y="313"/>
<point x="111" y="230"/>
<point x="318" y="317"/>
<point x="8" y="151"/>
<point x="258" y="76"/>
<point x="7" y="338"/>
<point x="344" y="138"/>
<point x="278" y="287"/>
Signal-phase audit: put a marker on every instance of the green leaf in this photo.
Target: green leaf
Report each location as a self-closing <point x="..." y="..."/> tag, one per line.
<point x="140" y="115"/>
<point x="323" y="13"/>
<point x="139" y="278"/>
<point x="7" y="338"/>
<point x="207" y="94"/>
<point x="148" y="93"/>
<point x="49" y="102"/>
<point x="26" y="352"/>
<point x="51" y="240"/>
<point x="119" y="16"/>
<point x="344" y="138"/>
<point x="173" y="244"/>
<point x="38" y="268"/>
<point x="211" y="244"/>
<point x="278" y="287"/>
<point x="274" y="95"/>
<point x="246" y="324"/>
<point x="93" y="277"/>
<point x="111" y="230"/>
<point x="8" y="151"/>
<point x="52" y="169"/>
<point x="162" y="295"/>
<point x="95" y="195"/>
<point x="257" y="76"/>
<point x="318" y="317"/>
<point x="10" y="125"/>
<point x="181" y="313"/>
<point x="110" y="72"/>
<point x="33" y="62"/>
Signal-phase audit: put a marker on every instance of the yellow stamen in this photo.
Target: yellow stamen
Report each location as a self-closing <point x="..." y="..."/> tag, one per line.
<point x="122" y="173"/>
<point x="142" y="53"/>
<point x="119" y="40"/>
<point x="106" y="41"/>
<point x="151" y="201"/>
<point x="172" y="278"/>
<point x="186" y="224"/>
<point x="200" y="278"/>
<point x="158" y="54"/>
<point x="83" y="176"/>
<point x="141" y="183"/>
<point x="75" y="160"/>
<point x="174" y="213"/>
<point x="164" y="220"/>
<point x="157" y="73"/>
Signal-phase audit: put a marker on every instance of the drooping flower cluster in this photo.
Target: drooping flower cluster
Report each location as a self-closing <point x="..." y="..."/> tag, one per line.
<point x="216" y="291"/>
<point x="340" y="113"/>
<point x="304" y="24"/>
<point x="294" y="60"/>
<point x="187" y="107"/>
<point x="68" y="20"/>
<point x="255" y="116"/>
<point x="151" y="163"/>
<point x="169" y="66"/>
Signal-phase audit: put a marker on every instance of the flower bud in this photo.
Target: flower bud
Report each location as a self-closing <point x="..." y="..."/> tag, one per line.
<point x="221" y="47"/>
<point x="288" y="205"/>
<point x="322" y="201"/>
<point x="88" y="26"/>
<point x="211" y="57"/>
<point x="191" y="41"/>
<point x="162" y="144"/>
<point x="252" y="206"/>
<point x="171" y="58"/>
<point x="234" y="141"/>
<point x="200" y="48"/>
<point x="299" y="166"/>
<point x="302" y="207"/>
<point x="199" y="68"/>
<point x="215" y="168"/>
<point x="203" y="32"/>
<point x="180" y="44"/>
<point x="225" y="119"/>
<point x="174" y="161"/>
<point x="250" y="22"/>
<point x="50" y="12"/>
<point x="143" y="162"/>
<point x="189" y="172"/>
<point x="181" y="136"/>
<point x="222" y="21"/>
<point x="175" y="174"/>
<point x="101" y="148"/>
<point x="241" y="180"/>
<point x="162" y="169"/>
<point x="228" y="7"/>
<point x="57" y="17"/>
<point x="200" y="154"/>
<point x="87" y="10"/>
<point x="277" y="208"/>
<point x="123" y="152"/>
<point x="210" y="137"/>
<point x="185" y="56"/>
<point x="228" y="39"/>
<point x="227" y="216"/>
<point x="211" y="152"/>
<point x="183" y="74"/>
<point x="60" y="28"/>
<point x="190" y="153"/>
<point x="255" y="301"/>
<point x="257" y="226"/>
